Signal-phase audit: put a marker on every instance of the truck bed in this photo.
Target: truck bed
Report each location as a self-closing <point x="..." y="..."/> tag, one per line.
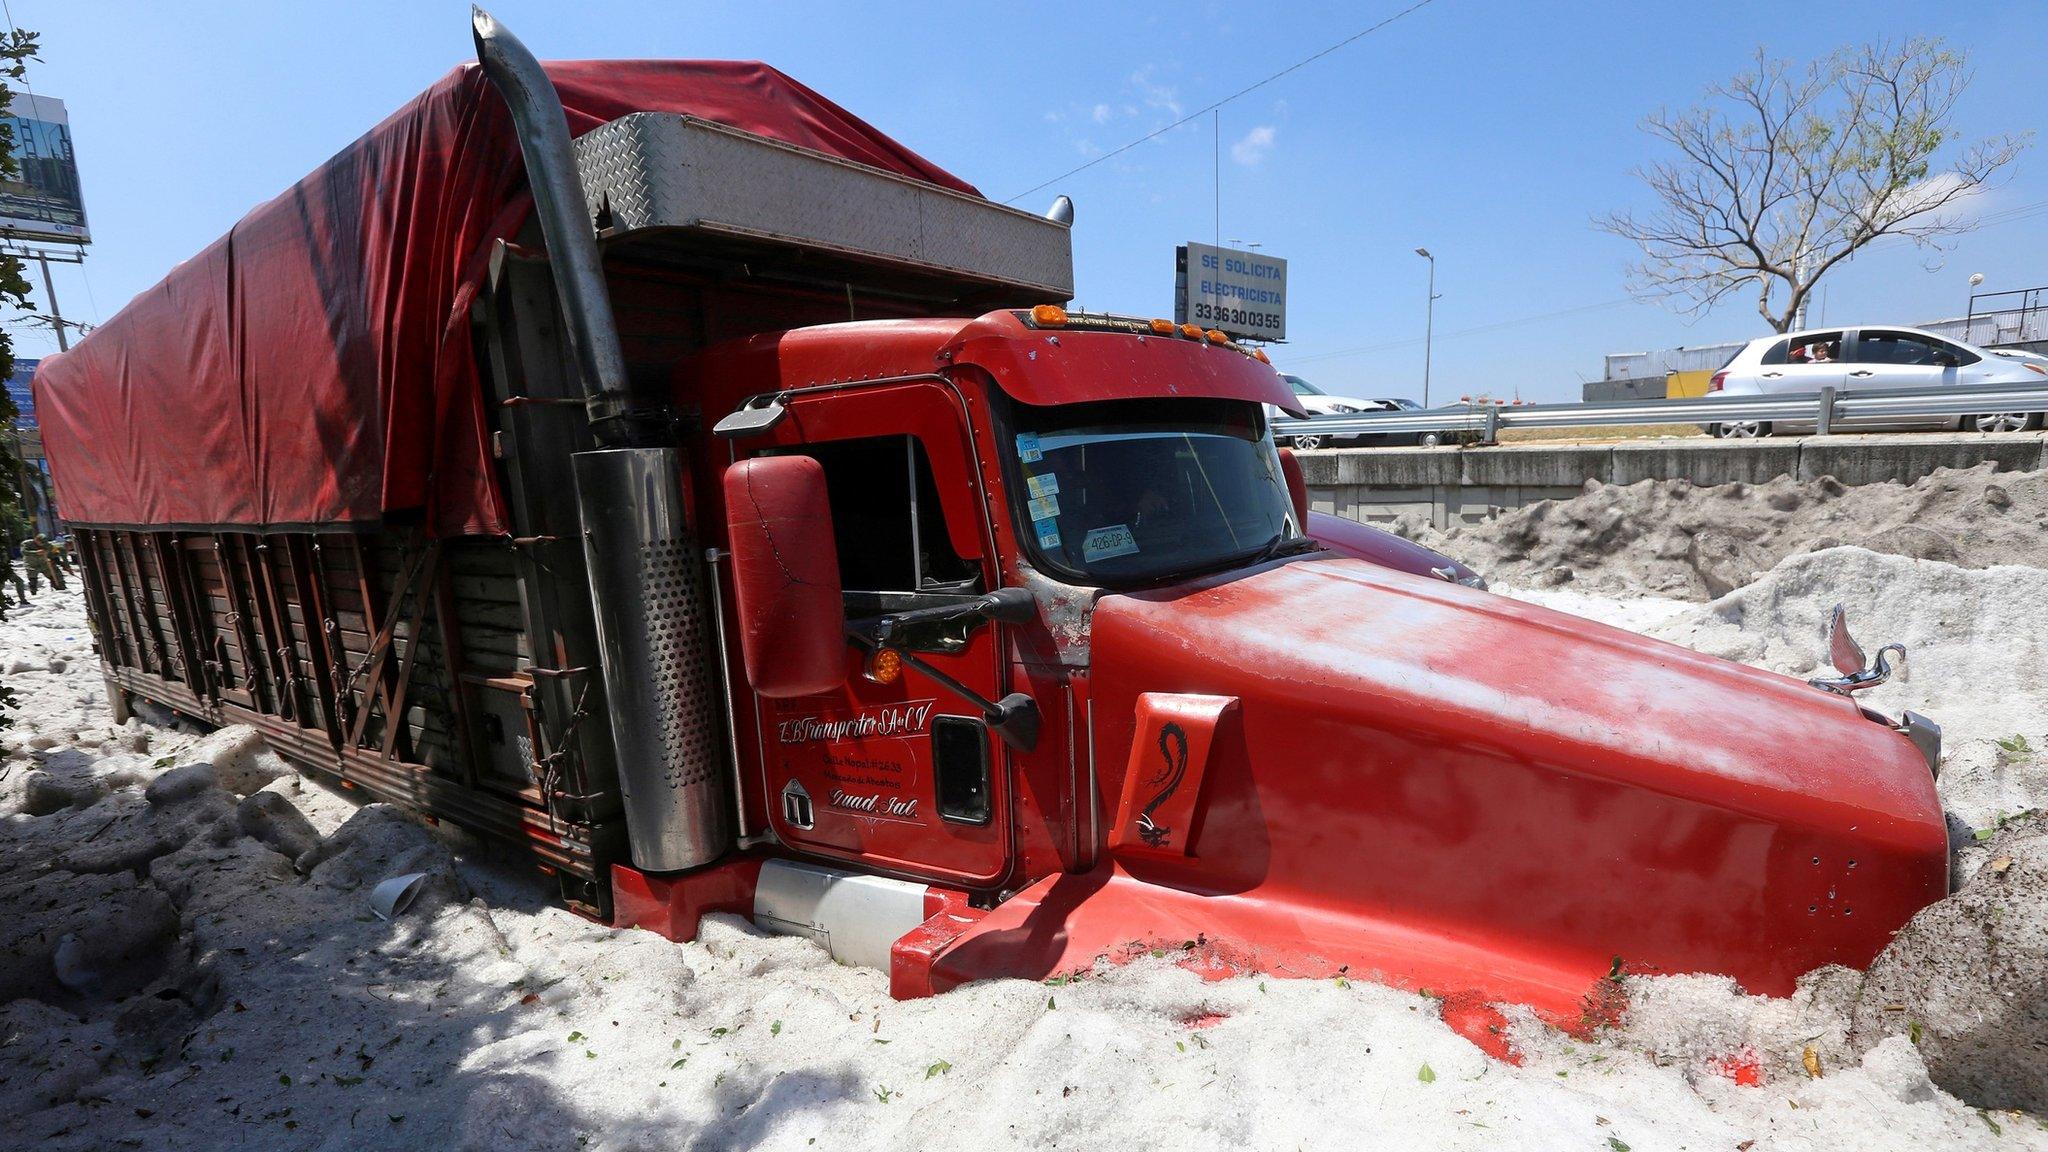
<point x="415" y="681"/>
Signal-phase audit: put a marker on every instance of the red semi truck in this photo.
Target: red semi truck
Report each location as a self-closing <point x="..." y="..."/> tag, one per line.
<point x="653" y="465"/>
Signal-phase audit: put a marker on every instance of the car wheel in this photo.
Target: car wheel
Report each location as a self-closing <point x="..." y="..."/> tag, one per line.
<point x="2006" y="421"/>
<point x="1742" y="429"/>
<point x="1430" y="439"/>
<point x="1308" y="443"/>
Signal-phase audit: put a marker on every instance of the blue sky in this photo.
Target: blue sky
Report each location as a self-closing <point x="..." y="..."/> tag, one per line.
<point x="1489" y="131"/>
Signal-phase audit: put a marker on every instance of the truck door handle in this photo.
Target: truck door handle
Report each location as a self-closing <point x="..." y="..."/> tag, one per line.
<point x="1863" y="372"/>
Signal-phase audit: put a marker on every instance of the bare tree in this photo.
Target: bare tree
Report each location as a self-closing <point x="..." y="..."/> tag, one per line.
<point x="1787" y="171"/>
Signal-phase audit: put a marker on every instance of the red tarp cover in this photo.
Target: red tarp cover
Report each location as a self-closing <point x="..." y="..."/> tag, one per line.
<point x="314" y="366"/>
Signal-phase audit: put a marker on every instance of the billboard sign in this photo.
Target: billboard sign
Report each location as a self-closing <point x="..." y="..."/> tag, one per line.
<point x="43" y="200"/>
<point x="19" y="392"/>
<point x="1244" y="294"/>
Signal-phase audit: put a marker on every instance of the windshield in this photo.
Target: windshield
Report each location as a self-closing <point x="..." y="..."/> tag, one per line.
<point x="1302" y="387"/>
<point x="1132" y="491"/>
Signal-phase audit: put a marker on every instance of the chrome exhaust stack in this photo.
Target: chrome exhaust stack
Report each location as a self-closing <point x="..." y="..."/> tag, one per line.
<point x="646" y="567"/>
<point x="564" y="215"/>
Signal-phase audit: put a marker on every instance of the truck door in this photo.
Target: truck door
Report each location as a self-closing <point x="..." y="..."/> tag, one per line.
<point x="897" y="772"/>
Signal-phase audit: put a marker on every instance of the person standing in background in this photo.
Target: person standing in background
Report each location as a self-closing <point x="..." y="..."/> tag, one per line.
<point x="37" y="557"/>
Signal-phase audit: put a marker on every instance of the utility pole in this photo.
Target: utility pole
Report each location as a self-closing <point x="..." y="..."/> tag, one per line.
<point x="1428" y="323"/>
<point x="13" y="245"/>
<point x="56" y="315"/>
<point x="1799" y="273"/>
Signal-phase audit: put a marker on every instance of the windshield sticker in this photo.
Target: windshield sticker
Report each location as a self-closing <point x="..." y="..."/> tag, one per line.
<point x="1027" y="448"/>
<point x="1108" y="542"/>
<point x="1045" y="507"/>
<point x="1046" y="485"/>
<point x="1048" y="535"/>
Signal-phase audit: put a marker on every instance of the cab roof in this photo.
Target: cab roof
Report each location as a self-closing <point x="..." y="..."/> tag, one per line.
<point x="1090" y="357"/>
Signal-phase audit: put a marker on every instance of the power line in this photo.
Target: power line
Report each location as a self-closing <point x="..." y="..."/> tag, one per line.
<point x="2007" y="216"/>
<point x="1204" y="111"/>
<point x="8" y="9"/>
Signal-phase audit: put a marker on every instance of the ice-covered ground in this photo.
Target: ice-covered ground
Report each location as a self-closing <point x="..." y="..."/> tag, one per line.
<point x="172" y="980"/>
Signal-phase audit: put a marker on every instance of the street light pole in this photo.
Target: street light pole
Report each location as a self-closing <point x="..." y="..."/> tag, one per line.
<point x="1428" y="324"/>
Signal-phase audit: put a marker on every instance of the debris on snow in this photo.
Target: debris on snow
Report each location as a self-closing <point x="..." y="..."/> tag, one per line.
<point x="1966" y="981"/>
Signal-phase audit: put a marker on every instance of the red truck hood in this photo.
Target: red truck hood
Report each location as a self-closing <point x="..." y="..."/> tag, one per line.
<point x="1450" y="771"/>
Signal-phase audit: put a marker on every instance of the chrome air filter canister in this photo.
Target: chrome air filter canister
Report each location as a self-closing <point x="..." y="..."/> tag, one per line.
<point x="647" y="588"/>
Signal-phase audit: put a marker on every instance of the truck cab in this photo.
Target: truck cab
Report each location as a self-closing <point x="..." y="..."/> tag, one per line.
<point x="1120" y="454"/>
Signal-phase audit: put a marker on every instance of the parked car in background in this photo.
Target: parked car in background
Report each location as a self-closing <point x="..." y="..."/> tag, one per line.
<point x="1427" y="439"/>
<point x="1869" y="359"/>
<point x="1315" y="402"/>
<point x="1320" y="403"/>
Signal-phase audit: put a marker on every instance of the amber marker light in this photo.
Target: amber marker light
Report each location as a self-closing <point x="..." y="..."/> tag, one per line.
<point x="885" y="665"/>
<point x="1191" y="331"/>
<point x="1162" y="327"/>
<point x="1216" y="336"/>
<point x="1049" y="316"/>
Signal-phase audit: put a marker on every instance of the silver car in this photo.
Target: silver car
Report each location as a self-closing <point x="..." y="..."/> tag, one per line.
<point x="1315" y="402"/>
<point x="1861" y="359"/>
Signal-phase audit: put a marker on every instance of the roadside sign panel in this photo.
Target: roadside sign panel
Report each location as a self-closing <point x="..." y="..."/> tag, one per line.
<point x="18" y="390"/>
<point x="43" y="201"/>
<point x="1244" y="294"/>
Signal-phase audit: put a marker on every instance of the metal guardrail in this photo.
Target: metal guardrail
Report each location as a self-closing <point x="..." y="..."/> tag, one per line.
<point x="1825" y="409"/>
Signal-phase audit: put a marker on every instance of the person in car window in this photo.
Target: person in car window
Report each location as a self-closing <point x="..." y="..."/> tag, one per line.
<point x="1823" y="352"/>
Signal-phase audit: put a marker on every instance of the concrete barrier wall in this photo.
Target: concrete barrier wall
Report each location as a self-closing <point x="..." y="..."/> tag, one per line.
<point x="1467" y="484"/>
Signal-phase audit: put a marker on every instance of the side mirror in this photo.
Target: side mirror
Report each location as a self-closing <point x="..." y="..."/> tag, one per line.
<point x="785" y="576"/>
<point x="1297" y="488"/>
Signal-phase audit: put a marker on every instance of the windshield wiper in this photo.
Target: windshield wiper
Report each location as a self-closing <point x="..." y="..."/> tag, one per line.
<point x="1277" y="546"/>
<point x="1282" y="545"/>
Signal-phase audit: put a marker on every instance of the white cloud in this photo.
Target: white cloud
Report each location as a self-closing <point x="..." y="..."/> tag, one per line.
<point x="1254" y="145"/>
<point x="1955" y="199"/>
<point x="1156" y="95"/>
<point x="1101" y="113"/>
